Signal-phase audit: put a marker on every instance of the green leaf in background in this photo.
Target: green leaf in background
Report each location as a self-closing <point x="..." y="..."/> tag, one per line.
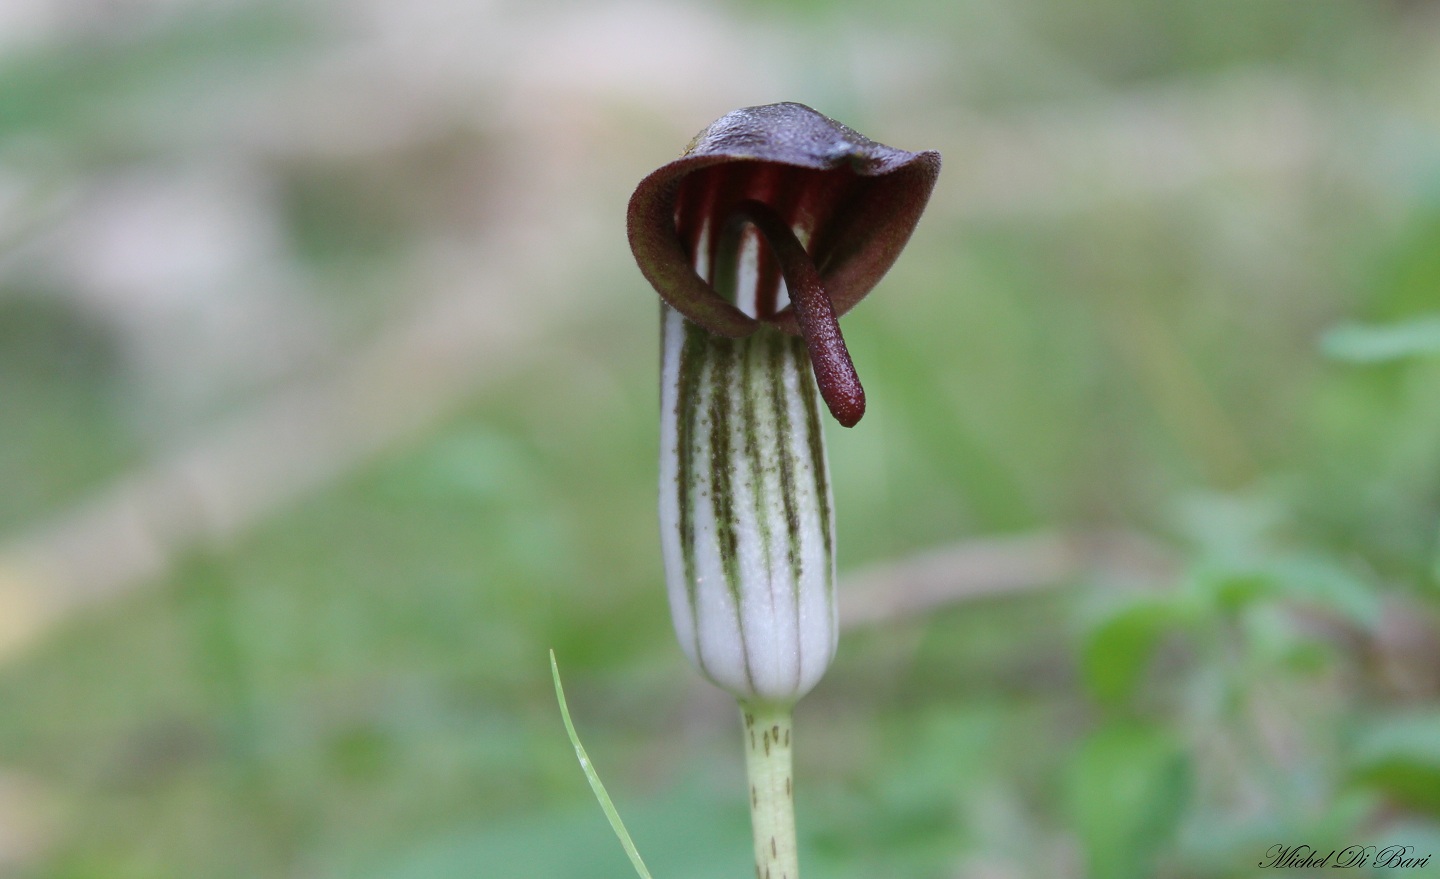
<point x="1435" y="565"/>
<point x="1127" y="788"/>
<point x="687" y="832"/>
<point x="1118" y="650"/>
<point x="1383" y="343"/>
<point x="1400" y="756"/>
<point x="1245" y="557"/>
<point x="1323" y="582"/>
<point x="1237" y="590"/>
<point x="1227" y="524"/>
<point x="1312" y="579"/>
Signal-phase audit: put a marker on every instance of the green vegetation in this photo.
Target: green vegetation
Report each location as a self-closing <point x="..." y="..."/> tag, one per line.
<point x="1179" y="280"/>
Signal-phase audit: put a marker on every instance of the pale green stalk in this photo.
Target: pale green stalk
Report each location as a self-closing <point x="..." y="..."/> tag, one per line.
<point x="772" y="790"/>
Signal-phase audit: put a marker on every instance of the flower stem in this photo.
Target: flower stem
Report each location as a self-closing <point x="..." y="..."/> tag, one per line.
<point x="772" y="798"/>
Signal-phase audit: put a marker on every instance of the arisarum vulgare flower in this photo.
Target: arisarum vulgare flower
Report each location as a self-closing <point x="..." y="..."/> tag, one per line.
<point x="775" y="222"/>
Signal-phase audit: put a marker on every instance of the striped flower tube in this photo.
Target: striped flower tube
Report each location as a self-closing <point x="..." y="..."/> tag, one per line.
<point x="746" y="526"/>
<point x="774" y="222"/>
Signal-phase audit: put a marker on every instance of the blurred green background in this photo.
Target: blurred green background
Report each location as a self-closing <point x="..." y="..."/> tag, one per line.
<point x="327" y="405"/>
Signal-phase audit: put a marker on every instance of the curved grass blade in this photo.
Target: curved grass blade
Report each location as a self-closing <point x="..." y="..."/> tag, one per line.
<point x="606" y="805"/>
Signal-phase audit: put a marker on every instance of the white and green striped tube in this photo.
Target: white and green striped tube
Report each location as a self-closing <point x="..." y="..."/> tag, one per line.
<point x="745" y="510"/>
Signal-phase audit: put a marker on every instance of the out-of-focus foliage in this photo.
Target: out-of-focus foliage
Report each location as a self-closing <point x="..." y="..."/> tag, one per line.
<point x="1180" y="278"/>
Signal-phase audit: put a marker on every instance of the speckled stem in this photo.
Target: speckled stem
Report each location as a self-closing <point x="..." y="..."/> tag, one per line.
<point x="772" y="790"/>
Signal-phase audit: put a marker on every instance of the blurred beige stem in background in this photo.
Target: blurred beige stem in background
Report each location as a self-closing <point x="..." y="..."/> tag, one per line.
<point x="131" y="533"/>
<point x="991" y="567"/>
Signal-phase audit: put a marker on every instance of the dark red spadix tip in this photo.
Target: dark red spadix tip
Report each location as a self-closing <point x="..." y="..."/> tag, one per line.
<point x="834" y="371"/>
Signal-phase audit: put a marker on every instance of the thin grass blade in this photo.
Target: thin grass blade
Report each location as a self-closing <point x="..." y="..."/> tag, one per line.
<point x="606" y="805"/>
